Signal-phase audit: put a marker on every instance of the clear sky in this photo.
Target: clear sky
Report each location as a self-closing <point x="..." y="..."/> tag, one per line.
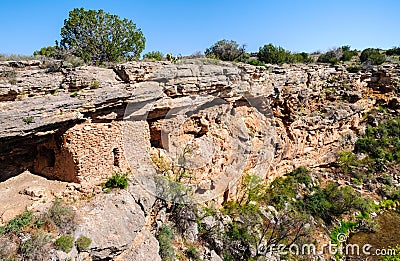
<point x="184" y="27"/>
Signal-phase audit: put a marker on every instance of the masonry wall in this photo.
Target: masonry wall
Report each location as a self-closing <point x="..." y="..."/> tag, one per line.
<point x="87" y="153"/>
<point x="54" y="160"/>
<point x="97" y="150"/>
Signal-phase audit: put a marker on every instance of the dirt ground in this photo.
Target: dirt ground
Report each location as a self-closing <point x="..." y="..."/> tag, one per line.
<point x="28" y="191"/>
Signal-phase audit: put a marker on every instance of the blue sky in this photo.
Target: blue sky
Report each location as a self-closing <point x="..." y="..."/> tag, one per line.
<point x="184" y="27"/>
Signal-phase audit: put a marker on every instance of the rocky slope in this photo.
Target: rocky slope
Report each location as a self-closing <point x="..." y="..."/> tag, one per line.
<point x="212" y="119"/>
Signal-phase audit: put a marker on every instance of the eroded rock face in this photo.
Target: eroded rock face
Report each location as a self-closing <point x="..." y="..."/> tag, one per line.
<point x="203" y="123"/>
<point x="112" y="221"/>
<point x="287" y="115"/>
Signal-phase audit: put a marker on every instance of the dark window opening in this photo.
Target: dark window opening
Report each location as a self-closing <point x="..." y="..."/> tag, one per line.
<point x="47" y="156"/>
<point x="116" y="157"/>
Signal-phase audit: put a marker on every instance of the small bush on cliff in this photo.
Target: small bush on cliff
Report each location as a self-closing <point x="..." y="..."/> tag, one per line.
<point x="347" y="54"/>
<point x="83" y="243"/>
<point x="97" y="36"/>
<point x="335" y="55"/>
<point x="256" y="62"/>
<point x="60" y="215"/>
<point x="353" y="69"/>
<point x="372" y="56"/>
<point x="37" y="247"/>
<point x="334" y="201"/>
<point x="16" y="224"/>
<point x="225" y="50"/>
<point x="165" y="238"/>
<point x="328" y="57"/>
<point x="155" y="55"/>
<point x="49" y="51"/>
<point x="274" y="54"/>
<point x="393" y="51"/>
<point x="117" y="181"/>
<point x="64" y="243"/>
<point x="302" y="58"/>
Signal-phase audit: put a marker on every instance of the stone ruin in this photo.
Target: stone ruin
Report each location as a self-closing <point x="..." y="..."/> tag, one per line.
<point x="85" y="153"/>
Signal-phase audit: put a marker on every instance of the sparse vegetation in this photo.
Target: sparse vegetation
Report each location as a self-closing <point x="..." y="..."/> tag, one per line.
<point x="28" y="120"/>
<point x="225" y="50"/>
<point x="117" y="180"/>
<point x="18" y="223"/>
<point x="353" y="69"/>
<point x="61" y="216"/>
<point x="165" y="238"/>
<point x="393" y="51"/>
<point x="336" y="55"/>
<point x="64" y="243"/>
<point x="372" y="56"/>
<point x="37" y="247"/>
<point x="83" y="243"/>
<point x="48" y="51"/>
<point x="155" y="55"/>
<point x="274" y="55"/>
<point x="192" y="253"/>
<point x="30" y="237"/>
<point x="95" y="85"/>
<point x="278" y="55"/>
<point x="256" y="62"/>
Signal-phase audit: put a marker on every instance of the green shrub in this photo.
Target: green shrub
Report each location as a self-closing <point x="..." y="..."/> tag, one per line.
<point x="18" y="223"/>
<point x="346" y="161"/>
<point x="165" y="238"/>
<point x="155" y="55"/>
<point x="97" y="36"/>
<point x="36" y="247"/>
<point x="28" y="120"/>
<point x="302" y="58"/>
<point x="117" y="181"/>
<point x="393" y="51"/>
<point x="256" y="62"/>
<point x="83" y="243"/>
<point x="61" y="215"/>
<point x="372" y="56"/>
<point x="353" y="69"/>
<point x="192" y="253"/>
<point x="48" y="51"/>
<point x="225" y="50"/>
<point x="345" y="228"/>
<point x="64" y="243"/>
<point x="334" y="201"/>
<point x="328" y="57"/>
<point x="381" y="143"/>
<point x="347" y="54"/>
<point x="95" y="85"/>
<point x="281" y="191"/>
<point x="302" y="175"/>
<point x="274" y="54"/>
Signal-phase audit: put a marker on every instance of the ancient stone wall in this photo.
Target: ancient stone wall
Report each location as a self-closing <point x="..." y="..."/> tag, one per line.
<point x="97" y="150"/>
<point x="87" y="153"/>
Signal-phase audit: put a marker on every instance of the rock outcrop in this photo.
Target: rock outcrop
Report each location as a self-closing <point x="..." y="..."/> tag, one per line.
<point x="201" y="122"/>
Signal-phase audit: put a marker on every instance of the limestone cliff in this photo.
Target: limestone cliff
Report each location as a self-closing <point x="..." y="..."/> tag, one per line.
<point x="211" y="120"/>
